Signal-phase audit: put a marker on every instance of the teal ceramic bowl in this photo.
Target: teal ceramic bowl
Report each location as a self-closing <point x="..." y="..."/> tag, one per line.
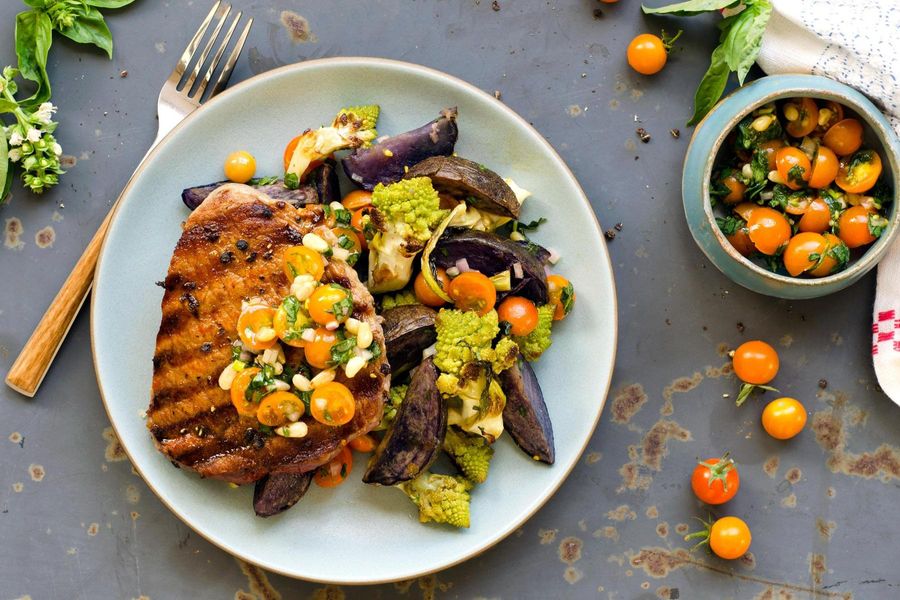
<point x="704" y="148"/>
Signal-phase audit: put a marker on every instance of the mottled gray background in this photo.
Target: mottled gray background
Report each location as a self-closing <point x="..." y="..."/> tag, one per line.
<point x="76" y="522"/>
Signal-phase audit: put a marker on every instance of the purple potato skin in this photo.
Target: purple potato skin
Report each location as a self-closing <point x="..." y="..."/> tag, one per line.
<point x="276" y="493"/>
<point x="326" y="181"/>
<point x="416" y="436"/>
<point x="386" y="161"/>
<point x="489" y="253"/>
<point x="305" y="194"/>
<point x="408" y="330"/>
<point x="525" y="416"/>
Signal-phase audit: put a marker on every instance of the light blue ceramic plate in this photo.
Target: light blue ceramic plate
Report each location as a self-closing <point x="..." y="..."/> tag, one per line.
<point x="704" y="147"/>
<point x="355" y="533"/>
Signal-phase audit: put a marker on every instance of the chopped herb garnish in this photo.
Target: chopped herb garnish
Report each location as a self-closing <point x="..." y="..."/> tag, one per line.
<point x="795" y="175"/>
<point x="263" y="180"/>
<point x="343" y="350"/>
<point x="730" y="225"/>
<point x="291" y="181"/>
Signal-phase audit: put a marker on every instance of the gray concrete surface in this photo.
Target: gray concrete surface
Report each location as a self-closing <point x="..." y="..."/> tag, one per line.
<point x="76" y="522"/>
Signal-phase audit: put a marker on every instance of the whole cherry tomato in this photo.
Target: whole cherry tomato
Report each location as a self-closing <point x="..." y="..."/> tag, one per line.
<point x="755" y="362"/>
<point x="783" y="418"/>
<point x="715" y="480"/>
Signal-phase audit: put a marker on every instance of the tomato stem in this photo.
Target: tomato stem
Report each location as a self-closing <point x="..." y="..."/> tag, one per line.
<point x="719" y="470"/>
<point x="703" y="533"/>
<point x="749" y="388"/>
<point x="669" y="42"/>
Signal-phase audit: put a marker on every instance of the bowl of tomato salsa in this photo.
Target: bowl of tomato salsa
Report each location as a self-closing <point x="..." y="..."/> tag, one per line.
<point x="790" y="186"/>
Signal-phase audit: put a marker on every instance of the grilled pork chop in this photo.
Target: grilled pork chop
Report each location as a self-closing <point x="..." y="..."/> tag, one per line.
<point x="231" y="250"/>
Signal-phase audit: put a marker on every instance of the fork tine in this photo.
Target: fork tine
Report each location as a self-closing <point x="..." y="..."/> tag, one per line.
<point x="225" y="75"/>
<point x="199" y="64"/>
<point x="201" y="87"/>
<point x="195" y="41"/>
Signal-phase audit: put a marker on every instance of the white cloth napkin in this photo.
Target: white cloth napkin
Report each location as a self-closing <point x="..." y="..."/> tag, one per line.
<point x="855" y="43"/>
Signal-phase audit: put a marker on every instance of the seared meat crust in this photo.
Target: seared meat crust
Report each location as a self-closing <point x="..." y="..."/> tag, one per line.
<point x="231" y="250"/>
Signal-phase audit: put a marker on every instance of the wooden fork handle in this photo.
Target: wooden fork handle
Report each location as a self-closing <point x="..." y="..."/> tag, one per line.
<point x="27" y="373"/>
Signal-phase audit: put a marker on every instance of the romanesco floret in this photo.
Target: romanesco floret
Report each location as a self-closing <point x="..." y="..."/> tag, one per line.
<point x="440" y="498"/>
<point x="462" y="337"/>
<point x="352" y="127"/>
<point x="401" y="298"/>
<point x="475" y="400"/>
<point x="471" y="453"/>
<point x="411" y="206"/>
<point x="363" y="119"/>
<point x="535" y="343"/>
<point x="505" y="354"/>
<point x="391" y="405"/>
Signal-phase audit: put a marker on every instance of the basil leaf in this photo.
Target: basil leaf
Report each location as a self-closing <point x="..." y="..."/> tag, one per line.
<point x="691" y="7"/>
<point x="34" y="34"/>
<point x="108" y="3"/>
<point x="5" y="166"/>
<point x="711" y="86"/>
<point x="742" y="36"/>
<point x="89" y="27"/>
<point x="34" y="3"/>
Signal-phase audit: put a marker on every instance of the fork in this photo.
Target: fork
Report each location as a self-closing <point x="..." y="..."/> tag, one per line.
<point x="181" y="95"/>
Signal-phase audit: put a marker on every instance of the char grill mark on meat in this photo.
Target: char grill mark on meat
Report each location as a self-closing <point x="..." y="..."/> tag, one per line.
<point x="191" y="419"/>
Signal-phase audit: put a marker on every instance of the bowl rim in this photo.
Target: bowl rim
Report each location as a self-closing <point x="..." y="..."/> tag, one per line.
<point x="817" y="87"/>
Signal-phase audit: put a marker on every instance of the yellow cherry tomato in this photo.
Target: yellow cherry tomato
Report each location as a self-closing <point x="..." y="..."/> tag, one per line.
<point x="729" y="538"/>
<point x="240" y="166"/>
<point x="318" y="351"/>
<point x="804" y="252"/>
<point x="256" y="327"/>
<point x="279" y="408"/>
<point x="332" y="404"/>
<point x="784" y="418"/>
<point x="239" y="386"/>
<point x="300" y="260"/>
<point x="290" y="320"/>
<point x="330" y="303"/>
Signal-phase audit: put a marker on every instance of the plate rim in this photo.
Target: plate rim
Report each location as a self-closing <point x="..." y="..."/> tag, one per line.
<point x="152" y="155"/>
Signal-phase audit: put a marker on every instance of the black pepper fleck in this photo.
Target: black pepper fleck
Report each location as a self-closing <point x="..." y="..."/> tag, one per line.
<point x="268" y="255"/>
<point x="205" y="347"/>
<point x="226" y="257"/>
<point x="495" y="6"/>
<point x="740" y="327"/>
<point x="618" y="226"/>
<point x="675" y="133"/>
<point x="610" y="234"/>
<point x="643" y="135"/>
<point x="251" y="257"/>
<point x="823" y="383"/>
<point x="598" y="14"/>
<point x="242" y="245"/>
<point x="192" y="303"/>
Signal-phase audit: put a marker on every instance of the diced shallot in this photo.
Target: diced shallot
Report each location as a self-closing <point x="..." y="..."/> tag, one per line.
<point x="463" y="265"/>
<point x="429" y="351"/>
<point x="554" y="256"/>
<point x="518" y="271"/>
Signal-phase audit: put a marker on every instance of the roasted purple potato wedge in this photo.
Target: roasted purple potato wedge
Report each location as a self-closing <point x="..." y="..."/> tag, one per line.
<point x="469" y="182"/>
<point x="408" y="330"/>
<point x="386" y="160"/>
<point x="305" y="194"/>
<point x="416" y="436"/>
<point x="276" y="493"/>
<point x="490" y="254"/>
<point x="325" y="178"/>
<point x="525" y="416"/>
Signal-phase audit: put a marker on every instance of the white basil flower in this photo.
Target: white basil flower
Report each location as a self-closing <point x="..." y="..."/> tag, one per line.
<point x="16" y="138"/>
<point x="34" y="134"/>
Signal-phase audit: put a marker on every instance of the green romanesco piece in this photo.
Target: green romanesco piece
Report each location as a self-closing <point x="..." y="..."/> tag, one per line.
<point x="505" y="354"/>
<point x="462" y="337"/>
<point x="440" y="498"/>
<point x="366" y="116"/>
<point x="410" y="206"/>
<point x="401" y="298"/>
<point x="471" y="453"/>
<point x="535" y="343"/>
<point x="391" y="405"/>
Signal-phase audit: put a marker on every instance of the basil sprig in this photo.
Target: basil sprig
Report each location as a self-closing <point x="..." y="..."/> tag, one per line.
<point x="78" y="20"/>
<point x="739" y="43"/>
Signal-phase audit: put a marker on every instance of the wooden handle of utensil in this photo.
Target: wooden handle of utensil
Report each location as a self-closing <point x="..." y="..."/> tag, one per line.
<point x="34" y="360"/>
